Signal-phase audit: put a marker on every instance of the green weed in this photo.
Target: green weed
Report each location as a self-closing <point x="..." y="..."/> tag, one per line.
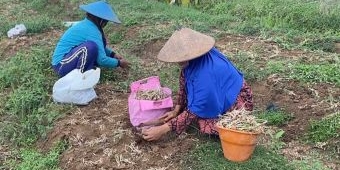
<point x="248" y="65"/>
<point x="324" y="129"/>
<point x="324" y="44"/>
<point x="27" y="106"/>
<point x="32" y="159"/>
<point x="29" y="69"/>
<point x="316" y="73"/>
<point x="322" y="72"/>
<point x="209" y="156"/>
<point x="41" y="24"/>
<point x="116" y="37"/>
<point x="308" y="164"/>
<point x="275" y="14"/>
<point x="276" y="118"/>
<point x="289" y="21"/>
<point x="38" y="24"/>
<point x="24" y="128"/>
<point x="276" y="142"/>
<point x="23" y="99"/>
<point x="170" y="78"/>
<point x="276" y="67"/>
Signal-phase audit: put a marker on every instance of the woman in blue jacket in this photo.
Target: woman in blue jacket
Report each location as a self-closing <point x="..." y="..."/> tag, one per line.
<point x="83" y="45"/>
<point x="210" y="85"/>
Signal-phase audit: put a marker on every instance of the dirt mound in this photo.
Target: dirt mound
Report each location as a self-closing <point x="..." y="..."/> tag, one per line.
<point x="100" y="136"/>
<point x="303" y="102"/>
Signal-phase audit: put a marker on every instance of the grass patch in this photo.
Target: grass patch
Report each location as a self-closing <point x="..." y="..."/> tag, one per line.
<point x="324" y="129"/>
<point x="209" y="156"/>
<point x="312" y="21"/>
<point x="41" y="24"/>
<point x="28" y="110"/>
<point x="275" y="117"/>
<point x="248" y="65"/>
<point x="316" y="73"/>
<point x="32" y="159"/>
<point x="322" y="72"/>
<point x="38" y="16"/>
<point x="309" y="164"/>
<point x="321" y="43"/>
<point x="27" y="69"/>
<point x="170" y="78"/>
<point x="315" y="27"/>
<point x="24" y="128"/>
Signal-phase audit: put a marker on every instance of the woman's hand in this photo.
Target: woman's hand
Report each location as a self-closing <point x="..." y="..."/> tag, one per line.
<point x="171" y="114"/>
<point x="124" y="64"/>
<point x="155" y="133"/>
<point x="168" y="116"/>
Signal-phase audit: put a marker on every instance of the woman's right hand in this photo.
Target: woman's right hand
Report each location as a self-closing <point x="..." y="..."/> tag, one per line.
<point x="124" y="64"/>
<point x="168" y="116"/>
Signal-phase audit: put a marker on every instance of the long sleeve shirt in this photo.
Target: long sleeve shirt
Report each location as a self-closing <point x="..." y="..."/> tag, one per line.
<point x="79" y="33"/>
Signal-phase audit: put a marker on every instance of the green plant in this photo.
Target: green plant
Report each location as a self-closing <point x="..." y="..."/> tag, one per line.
<point x="116" y="37"/>
<point x="32" y="159"/>
<point x="30" y="69"/>
<point x="248" y="65"/>
<point x="324" y="129"/>
<point x="23" y="100"/>
<point x="276" y="67"/>
<point x="316" y="73"/>
<point x="27" y="110"/>
<point x="324" y="44"/>
<point x="209" y="156"/>
<point x="185" y="3"/>
<point x="24" y="128"/>
<point x="276" y="143"/>
<point x="41" y="24"/>
<point x="275" y="117"/>
<point x="308" y="164"/>
<point x="169" y="78"/>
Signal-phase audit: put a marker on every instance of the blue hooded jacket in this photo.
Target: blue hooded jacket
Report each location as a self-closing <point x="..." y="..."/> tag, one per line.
<point x="79" y="33"/>
<point x="212" y="84"/>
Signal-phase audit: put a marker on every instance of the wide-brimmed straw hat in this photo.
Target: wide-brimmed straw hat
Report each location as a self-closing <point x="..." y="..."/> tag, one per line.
<point x="102" y="10"/>
<point x="185" y="44"/>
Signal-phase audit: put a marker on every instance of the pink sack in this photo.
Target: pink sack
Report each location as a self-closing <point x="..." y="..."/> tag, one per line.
<point x="141" y="111"/>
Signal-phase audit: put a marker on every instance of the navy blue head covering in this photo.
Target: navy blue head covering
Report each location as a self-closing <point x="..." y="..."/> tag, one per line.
<point x="212" y="84"/>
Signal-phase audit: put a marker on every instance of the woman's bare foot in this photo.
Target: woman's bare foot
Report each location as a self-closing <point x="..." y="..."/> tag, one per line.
<point x="155" y="133"/>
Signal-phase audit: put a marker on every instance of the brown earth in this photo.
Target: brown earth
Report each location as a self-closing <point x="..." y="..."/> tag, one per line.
<point x="100" y="135"/>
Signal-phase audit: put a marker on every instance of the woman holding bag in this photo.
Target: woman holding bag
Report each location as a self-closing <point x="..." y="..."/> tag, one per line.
<point x="210" y="85"/>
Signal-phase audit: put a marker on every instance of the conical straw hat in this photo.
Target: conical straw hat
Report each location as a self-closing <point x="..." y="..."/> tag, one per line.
<point x="185" y="44"/>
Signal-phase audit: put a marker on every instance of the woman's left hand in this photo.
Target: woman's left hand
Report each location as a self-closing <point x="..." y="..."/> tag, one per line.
<point x="155" y="133"/>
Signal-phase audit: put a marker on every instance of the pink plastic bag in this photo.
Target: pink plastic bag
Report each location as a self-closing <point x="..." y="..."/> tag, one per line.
<point x="141" y="111"/>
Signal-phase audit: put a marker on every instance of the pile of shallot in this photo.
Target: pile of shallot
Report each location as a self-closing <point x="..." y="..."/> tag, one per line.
<point x="241" y="120"/>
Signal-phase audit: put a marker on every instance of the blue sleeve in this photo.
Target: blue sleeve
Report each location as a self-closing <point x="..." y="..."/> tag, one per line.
<point x="108" y="51"/>
<point x="102" y="60"/>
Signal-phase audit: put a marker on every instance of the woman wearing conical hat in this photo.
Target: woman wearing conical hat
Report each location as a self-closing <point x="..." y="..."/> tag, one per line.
<point x="210" y="85"/>
<point x="83" y="45"/>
